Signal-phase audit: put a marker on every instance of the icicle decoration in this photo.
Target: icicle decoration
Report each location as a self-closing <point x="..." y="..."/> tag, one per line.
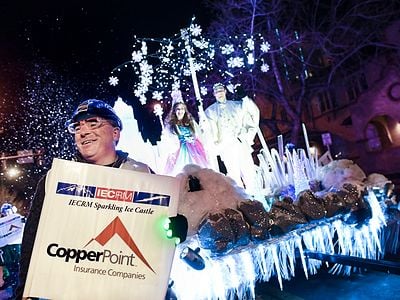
<point x="234" y="275"/>
<point x="294" y="169"/>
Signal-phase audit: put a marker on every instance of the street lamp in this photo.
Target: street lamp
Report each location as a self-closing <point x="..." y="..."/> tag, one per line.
<point x="12" y="172"/>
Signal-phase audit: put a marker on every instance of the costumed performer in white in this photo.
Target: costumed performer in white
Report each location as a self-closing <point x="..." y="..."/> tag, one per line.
<point x="233" y="126"/>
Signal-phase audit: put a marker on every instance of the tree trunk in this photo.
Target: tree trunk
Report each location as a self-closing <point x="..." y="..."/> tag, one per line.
<point x="295" y="132"/>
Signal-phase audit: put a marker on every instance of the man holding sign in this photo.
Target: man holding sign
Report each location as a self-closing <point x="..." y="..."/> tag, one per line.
<point x="96" y="130"/>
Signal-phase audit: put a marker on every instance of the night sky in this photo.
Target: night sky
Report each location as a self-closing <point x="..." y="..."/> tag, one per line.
<point x="87" y="37"/>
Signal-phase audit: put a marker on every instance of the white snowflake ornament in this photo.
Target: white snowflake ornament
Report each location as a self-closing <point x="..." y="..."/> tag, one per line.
<point x="235" y="62"/>
<point x="157" y="95"/>
<point x="137" y="56"/>
<point x="250" y="59"/>
<point x="203" y="90"/>
<point x="113" y="80"/>
<point x="250" y="44"/>
<point x="195" y="29"/>
<point x="227" y="49"/>
<point x="264" y="67"/>
<point x="265" y="47"/>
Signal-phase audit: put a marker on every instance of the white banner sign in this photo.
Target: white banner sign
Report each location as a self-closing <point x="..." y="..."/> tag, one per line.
<point x="11" y="228"/>
<point x="101" y="234"/>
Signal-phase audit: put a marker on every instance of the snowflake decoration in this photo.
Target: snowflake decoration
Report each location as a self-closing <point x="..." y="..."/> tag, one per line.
<point x="157" y="95"/>
<point x="176" y="85"/>
<point x="235" y="62"/>
<point x="203" y="44"/>
<point x="198" y="66"/>
<point x="137" y="56"/>
<point x="142" y="99"/>
<point x="113" y="80"/>
<point x="140" y="91"/>
<point x="264" y="67"/>
<point x="203" y="90"/>
<point x="265" y="47"/>
<point x="169" y="48"/>
<point x="144" y="48"/>
<point x="227" y="49"/>
<point x="145" y="81"/>
<point x="250" y="44"/>
<point x="250" y="59"/>
<point x="145" y="68"/>
<point x="195" y="29"/>
<point x="169" y="67"/>
<point x="211" y="54"/>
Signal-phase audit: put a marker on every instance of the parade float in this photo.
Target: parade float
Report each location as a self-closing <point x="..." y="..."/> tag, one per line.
<point x="237" y="242"/>
<point x="302" y="214"/>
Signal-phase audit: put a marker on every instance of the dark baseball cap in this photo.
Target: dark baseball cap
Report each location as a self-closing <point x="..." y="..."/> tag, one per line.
<point x="94" y="108"/>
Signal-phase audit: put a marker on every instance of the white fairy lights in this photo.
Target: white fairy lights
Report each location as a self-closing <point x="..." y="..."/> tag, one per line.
<point x="162" y="65"/>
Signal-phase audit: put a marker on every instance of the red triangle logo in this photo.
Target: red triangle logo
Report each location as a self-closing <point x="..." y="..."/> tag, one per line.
<point x="117" y="227"/>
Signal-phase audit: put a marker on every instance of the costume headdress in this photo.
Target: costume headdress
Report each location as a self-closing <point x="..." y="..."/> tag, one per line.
<point x="176" y="97"/>
<point x="218" y="86"/>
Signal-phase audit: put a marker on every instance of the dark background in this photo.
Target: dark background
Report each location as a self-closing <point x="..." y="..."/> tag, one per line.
<point x="88" y="37"/>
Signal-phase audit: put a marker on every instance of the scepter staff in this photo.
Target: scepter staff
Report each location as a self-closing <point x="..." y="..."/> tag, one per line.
<point x="185" y="37"/>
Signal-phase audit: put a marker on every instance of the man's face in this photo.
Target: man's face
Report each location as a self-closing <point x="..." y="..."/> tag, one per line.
<point x="96" y="143"/>
<point x="220" y="95"/>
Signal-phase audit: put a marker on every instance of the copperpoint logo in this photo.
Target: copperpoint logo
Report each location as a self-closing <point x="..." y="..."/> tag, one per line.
<point x="116" y="227"/>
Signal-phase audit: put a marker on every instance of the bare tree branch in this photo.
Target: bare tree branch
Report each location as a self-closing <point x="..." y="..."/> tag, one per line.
<point x="325" y="39"/>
